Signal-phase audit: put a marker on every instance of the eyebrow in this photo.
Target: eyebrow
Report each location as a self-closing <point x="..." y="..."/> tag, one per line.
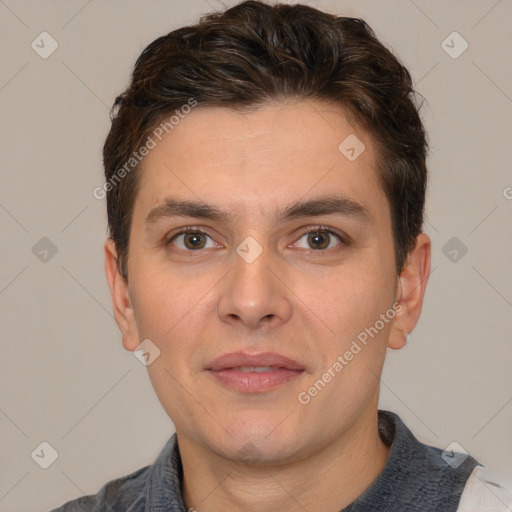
<point x="324" y="205"/>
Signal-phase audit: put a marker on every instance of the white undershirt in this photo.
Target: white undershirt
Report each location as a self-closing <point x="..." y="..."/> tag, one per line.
<point x="484" y="492"/>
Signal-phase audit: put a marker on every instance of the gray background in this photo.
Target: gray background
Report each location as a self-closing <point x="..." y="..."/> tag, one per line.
<point x="64" y="376"/>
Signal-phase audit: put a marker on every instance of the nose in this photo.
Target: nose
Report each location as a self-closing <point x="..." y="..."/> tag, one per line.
<point x="254" y="294"/>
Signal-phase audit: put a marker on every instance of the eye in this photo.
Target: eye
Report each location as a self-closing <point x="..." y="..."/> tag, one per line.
<point x="319" y="239"/>
<point x="191" y="239"/>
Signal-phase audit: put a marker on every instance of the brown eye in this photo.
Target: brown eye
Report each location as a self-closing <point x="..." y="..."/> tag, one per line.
<point x="194" y="240"/>
<point x="189" y="240"/>
<point x="319" y="239"/>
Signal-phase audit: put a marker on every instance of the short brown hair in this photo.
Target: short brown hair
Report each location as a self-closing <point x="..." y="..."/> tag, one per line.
<point x="253" y="53"/>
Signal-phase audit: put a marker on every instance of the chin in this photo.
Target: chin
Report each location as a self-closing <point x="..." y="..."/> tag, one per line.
<point x="257" y="452"/>
<point x="255" y="437"/>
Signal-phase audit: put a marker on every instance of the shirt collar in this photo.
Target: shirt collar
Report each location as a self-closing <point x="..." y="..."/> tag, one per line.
<point x="164" y="484"/>
<point x="163" y="487"/>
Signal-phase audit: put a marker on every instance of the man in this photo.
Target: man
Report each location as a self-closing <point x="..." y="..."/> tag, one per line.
<point x="265" y="183"/>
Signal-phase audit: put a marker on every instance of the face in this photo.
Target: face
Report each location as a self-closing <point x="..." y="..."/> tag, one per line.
<point x="288" y="260"/>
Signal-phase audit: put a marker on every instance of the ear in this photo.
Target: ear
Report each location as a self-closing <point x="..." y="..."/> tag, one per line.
<point x="121" y="300"/>
<point x="411" y="286"/>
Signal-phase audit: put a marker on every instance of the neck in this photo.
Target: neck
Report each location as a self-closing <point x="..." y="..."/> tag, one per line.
<point x="334" y="477"/>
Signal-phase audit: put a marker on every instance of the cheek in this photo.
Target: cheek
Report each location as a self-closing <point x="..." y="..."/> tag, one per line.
<point x="355" y="347"/>
<point x="349" y="300"/>
<point x="163" y="300"/>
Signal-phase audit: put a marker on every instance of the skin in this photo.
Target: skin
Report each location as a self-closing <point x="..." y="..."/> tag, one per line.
<point x="305" y="303"/>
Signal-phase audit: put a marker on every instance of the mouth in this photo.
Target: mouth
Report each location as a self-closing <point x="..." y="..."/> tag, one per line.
<point x="254" y="373"/>
<point x="250" y="369"/>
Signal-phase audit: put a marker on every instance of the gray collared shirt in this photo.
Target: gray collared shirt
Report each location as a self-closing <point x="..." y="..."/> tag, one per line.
<point x="415" y="478"/>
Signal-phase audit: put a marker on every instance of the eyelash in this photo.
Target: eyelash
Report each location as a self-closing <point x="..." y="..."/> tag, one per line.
<point x="344" y="240"/>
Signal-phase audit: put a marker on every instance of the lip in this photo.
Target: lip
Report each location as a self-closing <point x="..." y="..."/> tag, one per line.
<point x="227" y="370"/>
<point x="237" y="359"/>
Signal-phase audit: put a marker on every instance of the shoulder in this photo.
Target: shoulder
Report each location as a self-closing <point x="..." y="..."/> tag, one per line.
<point x="486" y="492"/>
<point x="125" y="494"/>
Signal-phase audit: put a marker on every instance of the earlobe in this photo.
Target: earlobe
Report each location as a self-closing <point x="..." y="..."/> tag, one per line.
<point x="411" y="287"/>
<point x="121" y="300"/>
<point x="398" y="337"/>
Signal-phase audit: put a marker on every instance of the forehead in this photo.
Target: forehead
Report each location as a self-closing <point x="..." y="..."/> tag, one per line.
<point x="258" y="159"/>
